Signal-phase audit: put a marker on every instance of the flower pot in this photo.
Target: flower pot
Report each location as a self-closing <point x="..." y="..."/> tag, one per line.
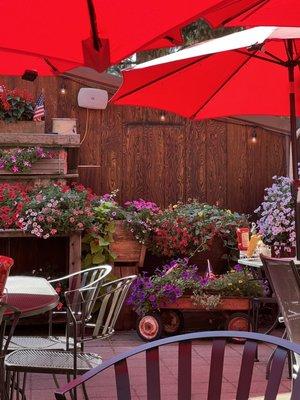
<point x="282" y="253"/>
<point x="5" y="265"/>
<point x="126" y="248"/>
<point x="22" y="127"/>
<point x="64" y="126"/>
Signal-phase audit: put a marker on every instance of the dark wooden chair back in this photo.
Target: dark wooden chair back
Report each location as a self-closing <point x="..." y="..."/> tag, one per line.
<point x="184" y="376"/>
<point x="285" y="282"/>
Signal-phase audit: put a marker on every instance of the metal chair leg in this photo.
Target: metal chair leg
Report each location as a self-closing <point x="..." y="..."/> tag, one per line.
<point x="24" y="386"/>
<point x="85" y="394"/>
<point x="12" y="387"/>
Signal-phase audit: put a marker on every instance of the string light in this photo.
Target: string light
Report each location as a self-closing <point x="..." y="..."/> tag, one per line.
<point x="162" y="117"/>
<point x="63" y="88"/>
<point x="254" y="136"/>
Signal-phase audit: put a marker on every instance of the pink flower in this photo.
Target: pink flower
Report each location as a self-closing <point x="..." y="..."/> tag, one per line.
<point x="15" y="169"/>
<point x="53" y="231"/>
<point x="72" y="220"/>
<point x="80" y="225"/>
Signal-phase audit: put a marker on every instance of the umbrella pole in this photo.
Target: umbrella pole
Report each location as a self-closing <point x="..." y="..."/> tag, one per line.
<point x="293" y="132"/>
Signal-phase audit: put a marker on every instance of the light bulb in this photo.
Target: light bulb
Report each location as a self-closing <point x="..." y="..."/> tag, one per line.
<point x="162" y="117"/>
<point x="63" y="90"/>
<point x="254" y="136"/>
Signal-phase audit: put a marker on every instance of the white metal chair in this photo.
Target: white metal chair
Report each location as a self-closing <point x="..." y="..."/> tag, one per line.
<point x="91" y="277"/>
<point x="81" y="327"/>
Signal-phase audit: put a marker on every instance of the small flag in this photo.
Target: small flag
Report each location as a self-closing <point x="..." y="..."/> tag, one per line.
<point x="39" y="110"/>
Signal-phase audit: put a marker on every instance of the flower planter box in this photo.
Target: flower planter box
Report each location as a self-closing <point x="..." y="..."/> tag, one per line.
<point x="57" y="165"/>
<point x="22" y="127"/>
<point x="126" y="248"/>
<point x="186" y="303"/>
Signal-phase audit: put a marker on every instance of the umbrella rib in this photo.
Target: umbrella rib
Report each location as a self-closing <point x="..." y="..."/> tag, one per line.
<point x="166" y="75"/>
<point x="222" y="86"/>
<point x="252" y="9"/>
<point x="54" y="69"/>
<point x="279" y="62"/>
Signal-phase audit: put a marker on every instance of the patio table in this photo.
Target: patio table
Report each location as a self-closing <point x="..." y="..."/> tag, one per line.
<point x="257" y="263"/>
<point x="31" y="295"/>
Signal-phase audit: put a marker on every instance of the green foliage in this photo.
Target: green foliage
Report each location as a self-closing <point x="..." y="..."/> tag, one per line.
<point x="95" y="245"/>
<point x="15" y="105"/>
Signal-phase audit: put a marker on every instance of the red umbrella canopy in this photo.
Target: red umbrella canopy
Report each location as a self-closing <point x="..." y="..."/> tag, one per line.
<point x="238" y="74"/>
<point x="255" y="13"/>
<point x="96" y="33"/>
<point x="15" y="64"/>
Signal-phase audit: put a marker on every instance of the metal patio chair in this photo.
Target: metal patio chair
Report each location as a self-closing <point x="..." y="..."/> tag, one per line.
<point x="185" y="388"/>
<point x="81" y="328"/>
<point x="9" y="317"/>
<point x="94" y="277"/>
<point x="284" y="280"/>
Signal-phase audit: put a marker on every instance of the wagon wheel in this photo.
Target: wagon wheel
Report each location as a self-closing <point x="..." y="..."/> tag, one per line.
<point x="149" y="327"/>
<point x="172" y="321"/>
<point x="239" y="322"/>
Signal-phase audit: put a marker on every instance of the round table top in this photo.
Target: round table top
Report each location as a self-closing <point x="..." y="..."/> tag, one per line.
<point x="31" y="295"/>
<point x="257" y="263"/>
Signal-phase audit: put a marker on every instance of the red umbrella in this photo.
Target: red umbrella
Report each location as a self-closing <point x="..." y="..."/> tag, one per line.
<point x="96" y="33"/>
<point x="255" y="71"/>
<point x="255" y="13"/>
<point x="16" y="64"/>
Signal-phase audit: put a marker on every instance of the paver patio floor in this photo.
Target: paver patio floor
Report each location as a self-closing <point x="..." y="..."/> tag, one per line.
<point x="41" y="387"/>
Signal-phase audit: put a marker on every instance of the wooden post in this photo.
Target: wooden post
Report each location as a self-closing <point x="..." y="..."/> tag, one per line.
<point x="75" y="253"/>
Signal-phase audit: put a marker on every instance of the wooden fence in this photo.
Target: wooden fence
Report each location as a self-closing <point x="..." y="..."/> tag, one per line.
<point x="129" y="149"/>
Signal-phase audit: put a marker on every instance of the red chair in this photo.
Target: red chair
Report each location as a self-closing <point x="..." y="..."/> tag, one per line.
<point x="184" y="376"/>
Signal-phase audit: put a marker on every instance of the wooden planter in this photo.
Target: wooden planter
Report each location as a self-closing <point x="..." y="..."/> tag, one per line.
<point x="22" y="127"/>
<point x="126" y="248"/>
<point x="130" y="256"/>
<point x="58" y="165"/>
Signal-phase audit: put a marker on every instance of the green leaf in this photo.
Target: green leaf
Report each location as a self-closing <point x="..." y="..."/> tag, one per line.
<point x="111" y="227"/>
<point x="87" y="261"/>
<point x="95" y="247"/>
<point x="103" y="242"/>
<point x="98" y="258"/>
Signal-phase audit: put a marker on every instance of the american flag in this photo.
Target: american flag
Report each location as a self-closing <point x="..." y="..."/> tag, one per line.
<point x="39" y="110"/>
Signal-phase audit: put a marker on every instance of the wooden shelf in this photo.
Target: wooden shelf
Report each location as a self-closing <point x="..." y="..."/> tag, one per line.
<point x="34" y="139"/>
<point x="19" y="177"/>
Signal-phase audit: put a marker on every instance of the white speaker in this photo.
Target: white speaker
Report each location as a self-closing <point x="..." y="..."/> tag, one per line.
<point x="95" y="99"/>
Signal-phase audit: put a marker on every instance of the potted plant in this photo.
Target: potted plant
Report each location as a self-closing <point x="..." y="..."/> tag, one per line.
<point x="56" y="209"/>
<point x="16" y="112"/>
<point x="13" y="198"/>
<point x="178" y="287"/>
<point x="133" y="232"/>
<point x="276" y="218"/>
<point x="198" y="231"/>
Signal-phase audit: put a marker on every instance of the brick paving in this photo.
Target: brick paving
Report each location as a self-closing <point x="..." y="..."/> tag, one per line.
<point x="42" y="387"/>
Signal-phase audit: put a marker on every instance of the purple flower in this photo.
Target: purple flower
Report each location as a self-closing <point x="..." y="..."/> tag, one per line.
<point x="238" y="268"/>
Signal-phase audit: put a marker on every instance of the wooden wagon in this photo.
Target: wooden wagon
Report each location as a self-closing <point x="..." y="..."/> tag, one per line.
<point x="169" y="319"/>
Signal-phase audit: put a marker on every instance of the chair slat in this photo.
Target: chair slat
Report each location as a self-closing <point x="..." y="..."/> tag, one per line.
<point x="152" y="373"/>
<point x="185" y="370"/>
<point x="122" y="380"/>
<point x="245" y="378"/>
<point x="216" y="369"/>
<point x="274" y="380"/>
